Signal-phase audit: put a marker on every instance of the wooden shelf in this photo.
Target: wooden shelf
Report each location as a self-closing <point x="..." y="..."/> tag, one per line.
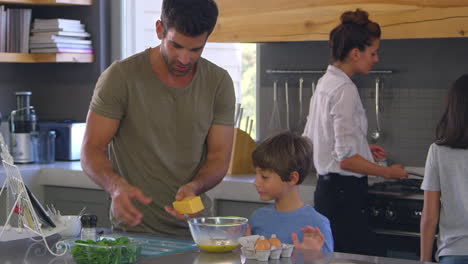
<point x="47" y="2"/>
<point x="46" y="57"/>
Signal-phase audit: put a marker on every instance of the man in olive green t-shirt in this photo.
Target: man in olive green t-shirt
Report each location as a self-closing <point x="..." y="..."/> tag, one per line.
<point x="167" y="116"/>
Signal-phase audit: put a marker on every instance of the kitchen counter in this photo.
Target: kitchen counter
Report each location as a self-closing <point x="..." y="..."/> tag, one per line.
<point x="70" y="174"/>
<point x="233" y="187"/>
<point x="28" y="251"/>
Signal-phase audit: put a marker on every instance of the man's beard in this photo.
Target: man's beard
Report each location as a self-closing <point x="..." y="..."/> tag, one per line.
<point x="171" y="65"/>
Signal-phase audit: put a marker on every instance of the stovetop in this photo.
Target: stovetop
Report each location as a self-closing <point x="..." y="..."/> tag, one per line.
<point x="404" y="187"/>
<point x="396" y="205"/>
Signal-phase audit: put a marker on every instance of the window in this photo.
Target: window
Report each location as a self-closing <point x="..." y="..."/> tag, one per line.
<point x="135" y="30"/>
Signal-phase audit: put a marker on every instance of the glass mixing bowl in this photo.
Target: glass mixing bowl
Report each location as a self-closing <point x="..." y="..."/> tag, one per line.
<point x="217" y="234"/>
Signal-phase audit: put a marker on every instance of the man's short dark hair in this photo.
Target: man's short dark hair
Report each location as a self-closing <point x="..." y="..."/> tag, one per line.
<point x="189" y="17"/>
<point x="284" y="153"/>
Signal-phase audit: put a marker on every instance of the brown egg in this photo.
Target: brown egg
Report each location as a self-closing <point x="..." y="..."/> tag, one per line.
<point x="274" y="241"/>
<point x="262" y="244"/>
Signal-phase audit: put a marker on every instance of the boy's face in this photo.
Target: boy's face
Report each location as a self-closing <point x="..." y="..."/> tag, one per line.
<point x="269" y="184"/>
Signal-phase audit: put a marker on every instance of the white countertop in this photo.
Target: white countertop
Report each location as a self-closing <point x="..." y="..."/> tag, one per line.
<point x="66" y="174"/>
<point x="233" y="187"/>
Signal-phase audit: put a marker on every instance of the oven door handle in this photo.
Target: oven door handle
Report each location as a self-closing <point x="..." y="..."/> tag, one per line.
<point x="396" y="233"/>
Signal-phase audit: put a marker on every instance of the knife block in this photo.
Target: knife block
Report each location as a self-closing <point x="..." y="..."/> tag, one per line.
<point x="241" y="156"/>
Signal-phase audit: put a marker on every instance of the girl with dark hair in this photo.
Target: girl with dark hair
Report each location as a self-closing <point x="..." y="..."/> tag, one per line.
<point x="337" y="125"/>
<point x="445" y="182"/>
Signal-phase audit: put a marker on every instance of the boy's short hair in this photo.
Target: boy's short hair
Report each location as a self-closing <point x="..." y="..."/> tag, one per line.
<point x="189" y="17"/>
<point x="284" y="153"/>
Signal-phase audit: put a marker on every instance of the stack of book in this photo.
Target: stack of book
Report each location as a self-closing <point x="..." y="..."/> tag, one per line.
<point x="59" y="35"/>
<point x="14" y="29"/>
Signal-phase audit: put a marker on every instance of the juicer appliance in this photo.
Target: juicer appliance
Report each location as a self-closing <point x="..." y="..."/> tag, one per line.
<point x="23" y="129"/>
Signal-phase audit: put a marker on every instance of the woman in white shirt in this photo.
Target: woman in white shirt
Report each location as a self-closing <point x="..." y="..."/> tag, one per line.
<point x="337" y="125"/>
<point x="445" y="182"/>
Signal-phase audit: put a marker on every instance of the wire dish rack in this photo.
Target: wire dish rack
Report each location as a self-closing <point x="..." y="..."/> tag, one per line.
<point x="28" y="223"/>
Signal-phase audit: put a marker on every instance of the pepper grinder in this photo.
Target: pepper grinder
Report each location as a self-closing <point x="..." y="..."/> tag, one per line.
<point x="88" y="227"/>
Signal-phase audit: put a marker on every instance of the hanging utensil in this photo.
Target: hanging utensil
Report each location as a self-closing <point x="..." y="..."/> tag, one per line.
<point x="302" y="120"/>
<point x="286" y="92"/>
<point x="275" y="122"/>
<point x="313" y="89"/>
<point x="377" y="134"/>
<point x="305" y="117"/>
<point x="301" y="80"/>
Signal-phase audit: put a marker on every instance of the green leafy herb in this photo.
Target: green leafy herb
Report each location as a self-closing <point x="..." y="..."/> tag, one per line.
<point x="118" y="251"/>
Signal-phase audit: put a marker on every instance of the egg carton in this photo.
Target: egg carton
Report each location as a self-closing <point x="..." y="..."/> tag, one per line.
<point x="248" y="250"/>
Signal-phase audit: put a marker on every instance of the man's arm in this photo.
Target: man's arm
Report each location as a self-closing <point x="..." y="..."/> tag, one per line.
<point x="214" y="169"/>
<point x="219" y="143"/>
<point x="98" y="134"/>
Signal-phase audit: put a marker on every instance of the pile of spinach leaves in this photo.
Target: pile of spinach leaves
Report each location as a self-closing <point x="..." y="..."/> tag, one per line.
<point x="112" y="252"/>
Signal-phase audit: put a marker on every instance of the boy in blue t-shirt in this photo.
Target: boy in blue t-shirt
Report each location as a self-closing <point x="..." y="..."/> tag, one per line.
<point x="281" y="164"/>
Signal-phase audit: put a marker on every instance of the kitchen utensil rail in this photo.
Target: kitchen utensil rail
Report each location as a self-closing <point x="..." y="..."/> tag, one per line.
<point x="270" y="71"/>
<point x="282" y="71"/>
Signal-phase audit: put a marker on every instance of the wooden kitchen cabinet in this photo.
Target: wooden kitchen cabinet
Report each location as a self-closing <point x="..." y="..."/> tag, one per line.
<point x="303" y="20"/>
<point x="46" y="57"/>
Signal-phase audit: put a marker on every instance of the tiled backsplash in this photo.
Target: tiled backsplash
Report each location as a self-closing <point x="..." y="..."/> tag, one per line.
<point x="413" y="96"/>
<point x="408" y="119"/>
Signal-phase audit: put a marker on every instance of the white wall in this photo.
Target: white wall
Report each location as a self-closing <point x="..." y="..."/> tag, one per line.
<point x="139" y="18"/>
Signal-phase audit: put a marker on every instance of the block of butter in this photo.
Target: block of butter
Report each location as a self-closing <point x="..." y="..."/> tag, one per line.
<point x="189" y="205"/>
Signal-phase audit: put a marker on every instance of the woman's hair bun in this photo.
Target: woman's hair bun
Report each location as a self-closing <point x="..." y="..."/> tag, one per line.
<point x="359" y="17"/>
